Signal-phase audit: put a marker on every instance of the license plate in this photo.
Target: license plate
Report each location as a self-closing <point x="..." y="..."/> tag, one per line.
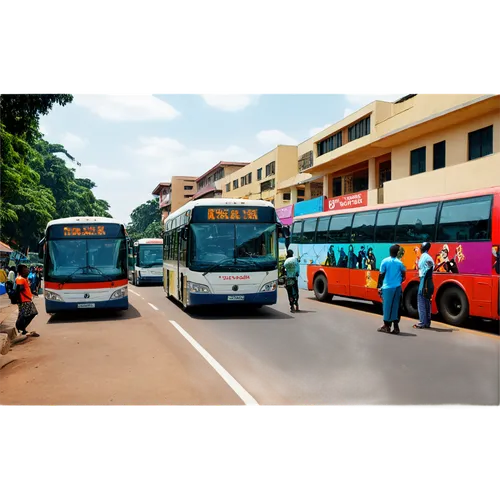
<point x="235" y="297"/>
<point x="89" y="305"/>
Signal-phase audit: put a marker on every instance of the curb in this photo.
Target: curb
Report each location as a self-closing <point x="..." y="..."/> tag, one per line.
<point x="8" y="333"/>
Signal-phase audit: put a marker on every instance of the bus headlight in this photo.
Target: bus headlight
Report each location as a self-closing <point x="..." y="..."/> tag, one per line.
<point x="53" y="296"/>
<point x="122" y="292"/>
<point x="269" y="287"/>
<point x="197" y="288"/>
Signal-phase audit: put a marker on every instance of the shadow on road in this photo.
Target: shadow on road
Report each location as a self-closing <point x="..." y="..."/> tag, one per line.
<point x="98" y="315"/>
<point x="239" y="312"/>
<point x="481" y="325"/>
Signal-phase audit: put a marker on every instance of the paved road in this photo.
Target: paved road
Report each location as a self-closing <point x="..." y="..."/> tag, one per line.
<point x="327" y="354"/>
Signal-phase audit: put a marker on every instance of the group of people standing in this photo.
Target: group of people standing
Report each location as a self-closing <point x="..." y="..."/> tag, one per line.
<point x="391" y="277"/>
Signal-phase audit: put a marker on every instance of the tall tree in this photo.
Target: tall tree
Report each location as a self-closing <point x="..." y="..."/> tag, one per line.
<point x="145" y="221"/>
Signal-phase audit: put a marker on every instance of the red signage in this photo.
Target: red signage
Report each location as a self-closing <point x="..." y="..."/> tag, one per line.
<point x="347" y="201"/>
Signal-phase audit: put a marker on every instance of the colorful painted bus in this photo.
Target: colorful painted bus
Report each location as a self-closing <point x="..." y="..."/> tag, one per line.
<point x="85" y="264"/>
<point x="146" y="261"/>
<point x="340" y="252"/>
<point x="222" y="251"/>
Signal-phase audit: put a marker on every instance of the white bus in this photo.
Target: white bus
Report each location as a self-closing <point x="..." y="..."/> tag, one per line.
<point x="222" y="251"/>
<point x="85" y="264"/>
<point x="146" y="261"/>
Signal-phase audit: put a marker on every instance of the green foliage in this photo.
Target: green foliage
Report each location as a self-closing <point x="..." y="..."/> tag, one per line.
<point x="146" y="221"/>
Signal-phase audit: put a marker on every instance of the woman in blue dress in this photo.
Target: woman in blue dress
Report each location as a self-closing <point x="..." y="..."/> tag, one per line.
<point x="392" y="274"/>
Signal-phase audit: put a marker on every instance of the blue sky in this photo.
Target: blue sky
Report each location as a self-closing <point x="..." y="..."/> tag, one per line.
<point x="128" y="144"/>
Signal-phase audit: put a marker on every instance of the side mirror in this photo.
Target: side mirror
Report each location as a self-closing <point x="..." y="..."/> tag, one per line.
<point x="184" y="233"/>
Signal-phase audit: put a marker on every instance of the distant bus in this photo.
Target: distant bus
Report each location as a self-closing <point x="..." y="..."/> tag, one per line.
<point x="85" y="264"/>
<point x="146" y="261"/>
<point x="340" y="252"/>
<point x="222" y="251"/>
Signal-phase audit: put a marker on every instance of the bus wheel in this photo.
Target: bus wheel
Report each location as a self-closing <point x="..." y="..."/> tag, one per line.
<point x="454" y="306"/>
<point x="410" y="301"/>
<point x="321" y="288"/>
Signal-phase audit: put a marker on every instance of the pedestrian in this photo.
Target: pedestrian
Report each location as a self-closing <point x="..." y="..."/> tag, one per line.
<point x="392" y="274"/>
<point x="426" y="286"/>
<point x="292" y="271"/>
<point x="3" y="275"/>
<point x="12" y="275"/>
<point x="33" y="280"/>
<point x="27" y="309"/>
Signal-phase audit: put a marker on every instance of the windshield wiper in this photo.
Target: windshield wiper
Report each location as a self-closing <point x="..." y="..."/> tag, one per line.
<point x="230" y="259"/>
<point x="68" y="278"/>
<point x="109" y="278"/>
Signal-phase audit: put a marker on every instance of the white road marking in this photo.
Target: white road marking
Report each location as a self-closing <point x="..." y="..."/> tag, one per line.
<point x="154" y="307"/>
<point x="227" y="377"/>
<point x="135" y="293"/>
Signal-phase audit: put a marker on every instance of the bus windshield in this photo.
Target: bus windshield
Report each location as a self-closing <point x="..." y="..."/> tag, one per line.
<point x="150" y="256"/>
<point x="86" y="260"/>
<point x="240" y="246"/>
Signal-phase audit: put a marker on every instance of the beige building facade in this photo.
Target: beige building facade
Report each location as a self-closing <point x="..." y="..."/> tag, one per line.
<point x="421" y="145"/>
<point x="259" y="179"/>
<point x="207" y="185"/>
<point x="172" y="195"/>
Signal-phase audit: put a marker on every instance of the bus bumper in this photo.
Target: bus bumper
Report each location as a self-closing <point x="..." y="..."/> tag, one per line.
<point x="203" y="299"/>
<point x="55" y="306"/>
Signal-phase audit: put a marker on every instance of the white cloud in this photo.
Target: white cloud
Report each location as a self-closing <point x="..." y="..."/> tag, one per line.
<point x="227" y="102"/>
<point x="132" y="108"/>
<point x="273" y="138"/>
<point x="162" y="157"/>
<point x="98" y="174"/>
<point x="317" y="130"/>
<point x="72" y="141"/>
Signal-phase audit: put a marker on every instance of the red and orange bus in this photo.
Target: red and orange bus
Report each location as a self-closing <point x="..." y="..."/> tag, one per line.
<point x="340" y="252"/>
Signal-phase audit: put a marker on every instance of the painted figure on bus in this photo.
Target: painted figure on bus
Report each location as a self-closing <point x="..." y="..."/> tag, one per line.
<point x="447" y="265"/>
<point x="362" y="258"/>
<point x="496" y="258"/>
<point x="418" y="254"/>
<point x="342" y="258"/>
<point x="330" y="257"/>
<point x="351" y="258"/>
<point x="401" y="253"/>
<point x="371" y="260"/>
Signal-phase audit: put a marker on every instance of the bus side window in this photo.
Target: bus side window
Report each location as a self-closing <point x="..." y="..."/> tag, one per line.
<point x="322" y="230"/>
<point x="340" y="229"/>
<point x="386" y="225"/>
<point x="309" y="232"/>
<point x="297" y="232"/>
<point x="417" y="223"/>
<point x="363" y="227"/>
<point x="465" y="220"/>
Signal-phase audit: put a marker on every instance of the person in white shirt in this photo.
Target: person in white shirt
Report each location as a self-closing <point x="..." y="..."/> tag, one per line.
<point x="425" y="288"/>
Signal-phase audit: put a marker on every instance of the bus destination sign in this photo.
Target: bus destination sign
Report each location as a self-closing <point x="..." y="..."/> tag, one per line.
<point x="233" y="214"/>
<point x="72" y="231"/>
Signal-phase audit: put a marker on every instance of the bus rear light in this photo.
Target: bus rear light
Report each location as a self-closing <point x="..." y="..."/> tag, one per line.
<point x="197" y="288"/>
<point x="53" y="296"/>
<point x="269" y="287"/>
<point x="122" y="292"/>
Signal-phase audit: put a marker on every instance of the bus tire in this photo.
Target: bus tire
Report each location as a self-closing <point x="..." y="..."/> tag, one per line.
<point x="320" y="287"/>
<point x="410" y="301"/>
<point x="453" y="306"/>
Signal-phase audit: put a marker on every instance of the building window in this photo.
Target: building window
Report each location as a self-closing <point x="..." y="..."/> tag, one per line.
<point x="481" y="143"/>
<point x="249" y="178"/>
<point x="417" y="223"/>
<point x="360" y="181"/>
<point x="228" y="187"/>
<point x="235" y="184"/>
<point x="330" y="143"/>
<point x="188" y="196"/>
<point x="188" y="188"/>
<point x="337" y="186"/>
<point x="287" y="196"/>
<point x="301" y="192"/>
<point x="417" y="161"/>
<point x="465" y="220"/>
<point x="270" y="169"/>
<point x="267" y="185"/>
<point x="359" y="129"/>
<point x="299" y="200"/>
<point x="439" y="158"/>
<point x="259" y="174"/>
<point x="306" y="161"/>
<point x="243" y="181"/>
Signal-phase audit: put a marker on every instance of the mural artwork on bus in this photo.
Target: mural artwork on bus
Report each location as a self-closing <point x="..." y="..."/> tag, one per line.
<point x="464" y="258"/>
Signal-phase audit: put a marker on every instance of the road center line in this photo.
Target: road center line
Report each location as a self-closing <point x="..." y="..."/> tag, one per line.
<point x="227" y="377"/>
<point x="135" y="293"/>
<point x="154" y="307"/>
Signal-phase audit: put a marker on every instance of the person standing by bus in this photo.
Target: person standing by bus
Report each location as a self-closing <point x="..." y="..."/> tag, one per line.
<point x="426" y="287"/>
<point x="392" y="274"/>
<point x="27" y="309"/>
<point x="292" y="271"/>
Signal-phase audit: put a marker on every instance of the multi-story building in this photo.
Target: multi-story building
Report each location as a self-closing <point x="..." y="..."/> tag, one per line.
<point x="172" y="195"/>
<point x="421" y="145"/>
<point x="259" y="179"/>
<point x="210" y="184"/>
